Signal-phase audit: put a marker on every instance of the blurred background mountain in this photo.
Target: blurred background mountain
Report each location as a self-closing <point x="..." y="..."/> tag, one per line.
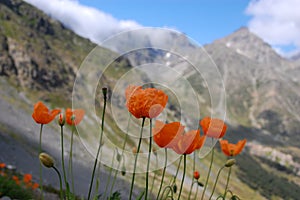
<point x="39" y="59"/>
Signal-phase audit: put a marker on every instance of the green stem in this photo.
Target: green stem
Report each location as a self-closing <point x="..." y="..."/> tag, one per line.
<point x="136" y="157"/>
<point x="191" y="188"/>
<point x="209" y="171"/>
<point x="98" y="151"/>
<point x="216" y="181"/>
<point x="148" y="163"/>
<point x="175" y="177"/>
<point x="41" y="173"/>
<point x="163" y="174"/>
<point x="63" y="157"/>
<point x="70" y="169"/>
<point x="227" y="183"/>
<point x="109" y="176"/>
<point x="60" y="183"/>
<point x="154" y="177"/>
<point x="170" y="190"/>
<point x="122" y="154"/>
<point x="196" y="193"/>
<point x="184" y="168"/>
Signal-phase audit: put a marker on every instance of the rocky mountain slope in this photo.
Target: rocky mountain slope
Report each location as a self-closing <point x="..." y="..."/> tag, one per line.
<point x="39" y="60"/>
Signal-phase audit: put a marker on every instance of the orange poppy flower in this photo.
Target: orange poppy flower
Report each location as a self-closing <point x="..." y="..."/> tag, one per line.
<point x="27" y="178"/>
<point x="196" y="175"/>
<point x="74" y="117"/>
<point x="213" y="127"/>
<point x="2" y="165"/>
<point x="188" y="142"/>
<point x="16" y="179"/>
<point x="35" y="185"/>
<point x="42" y="115"/>
<point x="230" y="149"/>
<point x="142" y="103"/>
<point x="164" y="134"/>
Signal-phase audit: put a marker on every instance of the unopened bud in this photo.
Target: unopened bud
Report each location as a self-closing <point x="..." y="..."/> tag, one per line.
<point x="196" y="175"/>
<point x="200" y="184"/>
<point x="234" y="197"/>
<point x="174" y="188"/>
<point x="46" y="160"/>
<point x="104" y="92"/>
<point x="61" y="119"/>
<point x="230" y="162"/>
<point x="123" y="171"/>
<point x="119" y="157"/>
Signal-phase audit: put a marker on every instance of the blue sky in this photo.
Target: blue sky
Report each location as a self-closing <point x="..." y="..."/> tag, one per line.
<point x="276" y="21"/>
<point x="202" y="20"/>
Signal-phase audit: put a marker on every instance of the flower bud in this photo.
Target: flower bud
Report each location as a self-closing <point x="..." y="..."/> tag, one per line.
<point x="234" y="197"/>
<point x="174" y="188"/>
<point x="230" y="162"/>
<point x="200" y="184"/>
<point x="123" y="171"/>
<point x="119" y="157"/>
<point x="61" y="119"/>
<point x="46" y="160"/>
<point x="104" y="92"/>
<point x="196" y="175"/>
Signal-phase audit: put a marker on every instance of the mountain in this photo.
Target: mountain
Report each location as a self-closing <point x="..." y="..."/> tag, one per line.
<point x="270" y="86"/>
<point x="261" y="89"/>
<point x="40" y="59"/>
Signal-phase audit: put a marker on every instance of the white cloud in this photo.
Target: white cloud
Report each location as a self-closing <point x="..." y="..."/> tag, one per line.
<point x="276" y="21"/>
<point x="83" y="20"/>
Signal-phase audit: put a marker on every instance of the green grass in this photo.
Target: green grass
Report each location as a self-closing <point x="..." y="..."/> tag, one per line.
<point x="267" y="183"/>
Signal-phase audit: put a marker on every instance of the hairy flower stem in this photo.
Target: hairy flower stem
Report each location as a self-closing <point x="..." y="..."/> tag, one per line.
<point x="99" y="147"/>
<point x="182" y="181"/>
<point x="41" y="173"/>
<point x="136" y="157"/>
<point x="209" y="170"/>
<point x="60" y="183"/>
<point x="191" y="188"/>
<point x="148" y="163"/>
<point x="70" y="169"/>
<point x="227" y="183"/>
<point x="163" y="174"/>
<point x="63" y="158"/>
<point x="123" y="147"/>
<point x="216" y="181"/>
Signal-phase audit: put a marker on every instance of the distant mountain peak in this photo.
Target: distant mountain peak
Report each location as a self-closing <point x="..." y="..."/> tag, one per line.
<point x="244" y="42"/>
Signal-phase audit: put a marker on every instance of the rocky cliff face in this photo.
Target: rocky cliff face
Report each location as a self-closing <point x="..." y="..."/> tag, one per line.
<point x="37" y="52"/>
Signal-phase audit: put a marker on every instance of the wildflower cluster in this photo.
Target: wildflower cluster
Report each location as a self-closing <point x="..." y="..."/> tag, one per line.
<point x="149" y="103"/>
<point x="145" y="104"/>
<point x="13" y="184"/>
<point x="42" y="115"/>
